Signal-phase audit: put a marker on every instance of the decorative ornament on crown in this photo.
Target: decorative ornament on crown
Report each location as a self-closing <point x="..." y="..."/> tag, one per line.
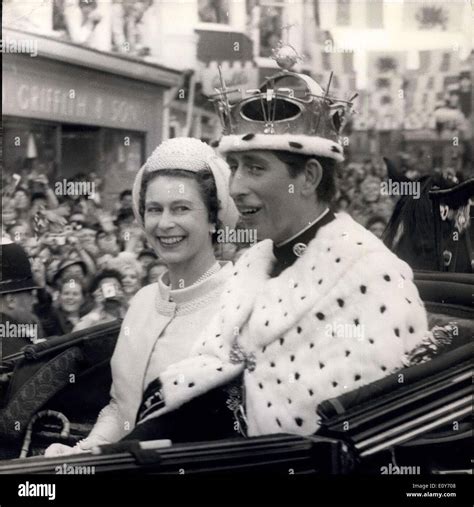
<point x="286" y="103"/>
<point x="286" y="56"/>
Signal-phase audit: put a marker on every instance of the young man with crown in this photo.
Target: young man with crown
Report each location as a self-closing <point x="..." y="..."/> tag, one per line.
<point x="319" y="306"/>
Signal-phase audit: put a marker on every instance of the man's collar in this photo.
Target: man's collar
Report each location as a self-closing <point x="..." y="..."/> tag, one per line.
<point x="287" y="252"/>
<point x="302" y="231"/>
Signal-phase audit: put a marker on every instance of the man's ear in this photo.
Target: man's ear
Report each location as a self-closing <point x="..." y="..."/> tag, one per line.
<point x="313" y="173"/>
<point x="10" y="301"/>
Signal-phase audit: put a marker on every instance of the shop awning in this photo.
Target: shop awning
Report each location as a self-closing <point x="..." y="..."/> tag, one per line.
<point x="75" y="54"/>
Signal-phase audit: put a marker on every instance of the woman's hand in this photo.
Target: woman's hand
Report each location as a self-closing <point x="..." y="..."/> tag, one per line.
<point x="61" y="450"/>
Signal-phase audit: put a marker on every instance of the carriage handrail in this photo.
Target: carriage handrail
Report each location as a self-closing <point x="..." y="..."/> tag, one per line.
<point x="58" y="343"/>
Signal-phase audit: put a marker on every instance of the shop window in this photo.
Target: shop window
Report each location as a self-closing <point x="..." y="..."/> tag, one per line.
<point x="213" y="11"/>
<point x="30" y="148"/>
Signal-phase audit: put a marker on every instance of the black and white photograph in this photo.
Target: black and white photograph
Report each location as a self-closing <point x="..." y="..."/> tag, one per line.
<point x="237" y="257"/>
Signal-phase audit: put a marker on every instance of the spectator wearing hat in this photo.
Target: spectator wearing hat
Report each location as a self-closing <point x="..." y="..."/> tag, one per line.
<point x="69" y="269"/>
<point x="16" y="301"/>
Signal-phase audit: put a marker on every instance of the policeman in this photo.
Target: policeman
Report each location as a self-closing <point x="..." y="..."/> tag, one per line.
<point x="19" y="326"/>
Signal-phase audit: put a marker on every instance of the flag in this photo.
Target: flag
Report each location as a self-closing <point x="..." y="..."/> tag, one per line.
<point x="436" y="15"/>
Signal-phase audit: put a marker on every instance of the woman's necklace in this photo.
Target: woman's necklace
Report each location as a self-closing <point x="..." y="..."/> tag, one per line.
<point x="211" y="271"/>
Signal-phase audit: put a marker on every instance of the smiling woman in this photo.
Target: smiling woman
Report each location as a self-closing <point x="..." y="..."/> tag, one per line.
<point x="180" y="199"/>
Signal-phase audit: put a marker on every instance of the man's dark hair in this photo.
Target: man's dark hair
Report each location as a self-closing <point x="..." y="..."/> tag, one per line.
<point x="106" y="273"/>
<point x="295" y="162"/>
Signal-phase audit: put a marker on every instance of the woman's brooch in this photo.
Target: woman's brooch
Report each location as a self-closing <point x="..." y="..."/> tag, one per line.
<point x="237" y="355"/>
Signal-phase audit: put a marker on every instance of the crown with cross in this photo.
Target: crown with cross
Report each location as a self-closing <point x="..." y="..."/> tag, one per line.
<point x="289" y="112"/>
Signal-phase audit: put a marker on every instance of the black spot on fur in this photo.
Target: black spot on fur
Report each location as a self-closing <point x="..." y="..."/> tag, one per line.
<point x="292" y="358"/>
<point x="299" y="421"/>
<point x="191" y="384"/>
<point x="278" y="381"/>
<point x="356" y="322"/>
<point x="278" y="422"/>
<point x="260" y="385"/>
<point x="248" y="137"/>
<point x="338" y="259"/>
<point x="311" y="345"/>
<point x="215" y="144"/>
<point x="310" y="391"/>
<point x="383" y="368"/>
<point x="386" y="278"/>
<point x="320" y="281"/>
<point x="272" y="364"/>
<point x="303" y="297"/>
<point x="411" y="330"/>
<point x="269" y="404"/>
<point x="297" y="376"/>
<point x="299" y="329"/>
<point x="321" y="365"/>
<point x="383" y="308"/>
<point x="219" y="369"/>
<point x="334" y="384"/>
<point x="397" y="332"/>
<point x="371" y="341"/>
<point x="175" y="382"/>
<point x="340" y="302"/>
<point x="293" y="144"/>
<point x="267" y="322"/>
<point x="363" y="289"/>
<point x="357" y="377"/>
<point x="289" y="401"/>
<point x="282" y="341"/>
<point x="320" y="315"/>
<point x="348" y="352"/>
<point x="408" y="301"/>
<point x="335" y="149"/>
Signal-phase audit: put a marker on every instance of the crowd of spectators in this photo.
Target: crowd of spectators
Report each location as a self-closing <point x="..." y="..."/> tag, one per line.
<point x="89" y="262"/>
<point x="359" y="194"/>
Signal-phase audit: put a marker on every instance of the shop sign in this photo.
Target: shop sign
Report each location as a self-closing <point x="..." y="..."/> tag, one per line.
<point x="59" y="100"/>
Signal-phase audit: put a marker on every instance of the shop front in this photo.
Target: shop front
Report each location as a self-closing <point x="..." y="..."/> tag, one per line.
<point x="72" y="111"/>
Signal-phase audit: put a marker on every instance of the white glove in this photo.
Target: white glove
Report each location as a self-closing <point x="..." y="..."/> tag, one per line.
<point x="61" y="450"/>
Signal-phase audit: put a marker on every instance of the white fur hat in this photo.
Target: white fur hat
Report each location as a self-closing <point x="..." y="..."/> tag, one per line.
<point x="192" y="155"/>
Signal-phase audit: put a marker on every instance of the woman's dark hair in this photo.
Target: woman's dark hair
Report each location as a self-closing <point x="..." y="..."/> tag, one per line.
<point x="152" y="265"/>
<point x="207" y="189"/>
<point x="295" y="162"/>
<point x="106" y="273"/>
